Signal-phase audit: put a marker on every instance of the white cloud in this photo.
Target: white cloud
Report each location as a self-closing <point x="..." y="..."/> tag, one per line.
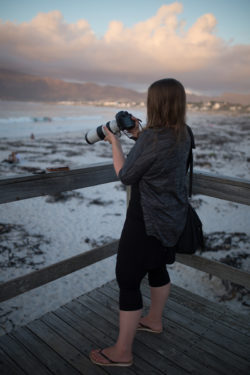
<point x="159" y="46"/>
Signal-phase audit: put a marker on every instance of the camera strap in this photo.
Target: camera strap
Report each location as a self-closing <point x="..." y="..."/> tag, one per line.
<point x="190" y="161"/>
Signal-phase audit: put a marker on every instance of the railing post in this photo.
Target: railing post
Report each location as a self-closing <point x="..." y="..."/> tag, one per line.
<point x="128" y="190"/>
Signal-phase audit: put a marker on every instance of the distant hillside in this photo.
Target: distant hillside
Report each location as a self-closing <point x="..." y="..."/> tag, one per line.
<point x="233" y="98"/>
<point x="25" y="87"/>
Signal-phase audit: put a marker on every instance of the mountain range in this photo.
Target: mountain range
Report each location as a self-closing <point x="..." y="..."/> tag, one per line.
<point x="26" y="87"/>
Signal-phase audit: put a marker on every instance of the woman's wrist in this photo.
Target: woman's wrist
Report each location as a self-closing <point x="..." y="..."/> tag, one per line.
<point x="115" y="140"/>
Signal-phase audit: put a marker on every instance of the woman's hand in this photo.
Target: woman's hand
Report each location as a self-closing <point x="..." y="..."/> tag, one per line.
<point x="110" y="137"/>
<point x="136" y="130"/>
<point x="118" y="157"/>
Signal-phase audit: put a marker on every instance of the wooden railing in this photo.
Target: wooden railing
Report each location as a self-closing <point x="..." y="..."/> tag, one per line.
<point x="17" y="188"/>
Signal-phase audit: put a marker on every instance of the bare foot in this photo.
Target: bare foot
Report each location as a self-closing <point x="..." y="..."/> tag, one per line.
<point x="155" y="326"/>
<point x="110" y="355"/>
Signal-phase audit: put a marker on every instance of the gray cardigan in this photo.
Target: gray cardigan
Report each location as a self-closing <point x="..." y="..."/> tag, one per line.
<point x="158" y="164"/>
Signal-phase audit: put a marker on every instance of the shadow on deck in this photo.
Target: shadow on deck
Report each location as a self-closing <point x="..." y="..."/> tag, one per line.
<point x="200" y="337"/>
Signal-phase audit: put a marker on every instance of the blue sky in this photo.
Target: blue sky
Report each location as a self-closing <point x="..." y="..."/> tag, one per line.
<point x="203" y="43"/>
<point x="233" y="16"/>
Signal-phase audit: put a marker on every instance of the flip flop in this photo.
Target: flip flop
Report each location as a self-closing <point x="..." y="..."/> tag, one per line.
<point x="110" y="362"/>
<point x="143" y="327"/>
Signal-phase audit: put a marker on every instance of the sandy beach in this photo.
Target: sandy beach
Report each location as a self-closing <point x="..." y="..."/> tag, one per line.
<point x="41" y="231"/>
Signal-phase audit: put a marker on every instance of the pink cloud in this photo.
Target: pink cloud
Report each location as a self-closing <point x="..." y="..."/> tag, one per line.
<point x="158" y="46"/>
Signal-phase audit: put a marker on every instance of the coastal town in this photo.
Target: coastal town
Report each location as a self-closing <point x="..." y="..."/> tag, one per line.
<point x="211" y="105"/>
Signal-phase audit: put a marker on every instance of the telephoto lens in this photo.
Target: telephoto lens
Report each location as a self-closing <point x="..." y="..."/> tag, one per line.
<point x="123" y="121"/>
<point x="98" y="134"/>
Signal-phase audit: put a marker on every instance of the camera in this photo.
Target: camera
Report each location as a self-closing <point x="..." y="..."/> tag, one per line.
<point x="123" y="122"/>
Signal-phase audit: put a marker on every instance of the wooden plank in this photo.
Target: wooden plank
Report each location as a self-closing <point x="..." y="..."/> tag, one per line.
<point x="224" y="339"/>
<point x="206" y="351"/>
<point x="23" y="358"/>
<point x="212" y="329"/>
<point x="235" y="321"/>
<point x="172" y="351"/>
<point x="13" y="189"/>
<point x="83" y="326"/>
<point x="93" y="320"/>
<point x="172" y="312"/>
<point x="183" y="326"/>
<point x="53" y="272"/>
<point x="44" y="354"/>
<point x="237" y="365"/>
<point x="229" y="330"/>
<point x="223" y="271"/>
<point x="191" y="319"/>
<point x="67" y="351"/>
<point x="107" y="326"/>
<point x="185" y="340"/>
<point x="76" y="339"/>
<point x="7" y="366"/>
<point x="197" y="346"/>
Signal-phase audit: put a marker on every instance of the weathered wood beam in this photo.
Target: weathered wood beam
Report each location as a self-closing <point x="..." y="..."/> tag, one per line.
<point x="223" y="271"/>
<point x="223" y="187"/>
<point x="16" y="188"/>
<point x="53" y="272"/>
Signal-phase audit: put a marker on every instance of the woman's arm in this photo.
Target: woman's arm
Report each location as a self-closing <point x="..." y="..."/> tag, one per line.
<point x="139" y="160"/>
<point x="118" y="156"/>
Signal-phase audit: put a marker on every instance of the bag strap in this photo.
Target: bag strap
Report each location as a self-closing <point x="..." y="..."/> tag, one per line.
<point x="190" y="161"/>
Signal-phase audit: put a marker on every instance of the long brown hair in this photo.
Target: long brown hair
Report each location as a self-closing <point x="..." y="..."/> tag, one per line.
<point x="166" y="106"/>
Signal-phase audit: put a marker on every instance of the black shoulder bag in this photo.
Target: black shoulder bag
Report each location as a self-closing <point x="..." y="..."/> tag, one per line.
<point x="191" y="238"/>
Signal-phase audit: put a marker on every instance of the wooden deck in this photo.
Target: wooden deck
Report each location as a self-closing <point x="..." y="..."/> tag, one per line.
<point x="200" y="337"/>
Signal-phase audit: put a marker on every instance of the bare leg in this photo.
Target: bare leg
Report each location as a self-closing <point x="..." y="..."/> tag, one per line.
<point x="159" y="296"/>
<point x="122" y="350"/>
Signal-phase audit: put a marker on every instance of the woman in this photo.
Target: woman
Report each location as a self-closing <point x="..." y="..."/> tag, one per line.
<point x="156" y="170"/>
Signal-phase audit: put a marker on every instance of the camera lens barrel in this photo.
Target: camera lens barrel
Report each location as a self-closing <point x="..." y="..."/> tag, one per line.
<point x="95" y="135"/>
<point x="123" y="122"/>
<point x="113" y="126"/>
<point x="98" y="134"/>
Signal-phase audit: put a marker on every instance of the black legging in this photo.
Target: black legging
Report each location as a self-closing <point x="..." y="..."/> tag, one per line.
<point x="129" y="277"/>
<point x="139" y="254"/>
